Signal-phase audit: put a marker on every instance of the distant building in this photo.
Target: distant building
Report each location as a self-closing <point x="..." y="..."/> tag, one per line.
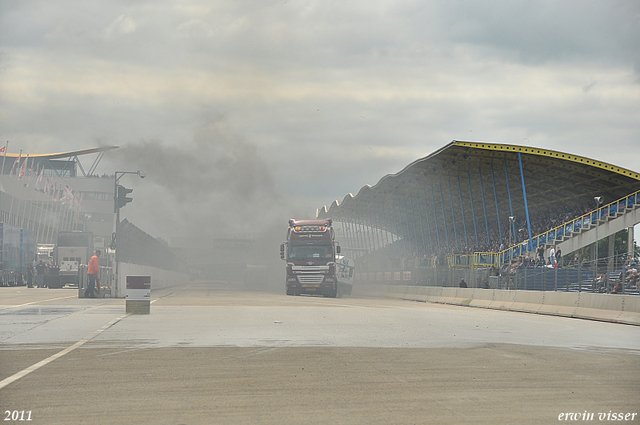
<point x="48" y="193"/>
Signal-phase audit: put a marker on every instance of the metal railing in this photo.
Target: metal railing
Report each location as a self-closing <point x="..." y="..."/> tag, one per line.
<point x="107" y="279"/>
<point x="559" y="233"/>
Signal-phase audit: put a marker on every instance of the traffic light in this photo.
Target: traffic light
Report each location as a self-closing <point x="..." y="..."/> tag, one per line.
<point x="121" y="197"/>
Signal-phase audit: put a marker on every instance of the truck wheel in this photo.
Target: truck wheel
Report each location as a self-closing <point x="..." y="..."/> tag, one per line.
<point x="333" y="293"/>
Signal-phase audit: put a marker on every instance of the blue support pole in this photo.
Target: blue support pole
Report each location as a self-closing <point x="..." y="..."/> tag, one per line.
<point x="392" y="224"/>
<point x="367" y="234"/>
<point x="379" y="233"/>
<point x="464" y="224"/>
<point x="526" y="206"/>
<point x="484" y="205"/>
<point x="473" y="213"/>
<point x="347" y="233"/>
<point x="398" y="232"/>
<point x="404" y="240"/>
<point x="406" y="214"/>
<point x="354" y="241"/>
<point x="371" y="233"/>
<point x="363" y="236"/>
<point x="453" y="216"/>
<point x="495" y="195"/>
<point x="435" y="216"/>
<point x="384" y="219"/>
<point x="513" y="225"/>
<point x="354" y="232"/>
<point x="444" y="218"/>
<point x="376" y="228"/>
<point x="413" y="217"/>
<point x="424" y="245"/>
<point x="426" y="215"/>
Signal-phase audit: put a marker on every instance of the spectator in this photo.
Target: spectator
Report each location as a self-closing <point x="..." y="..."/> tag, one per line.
<point x="30" y="274"/>
<point x="40" y="271"/>
<point x="92" y="273"/>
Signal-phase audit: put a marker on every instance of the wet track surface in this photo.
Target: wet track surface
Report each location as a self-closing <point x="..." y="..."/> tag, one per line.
<point x="212" y="354"/>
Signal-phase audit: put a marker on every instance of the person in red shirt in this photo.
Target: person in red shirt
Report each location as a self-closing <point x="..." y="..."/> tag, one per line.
<point x="92" y="273"/>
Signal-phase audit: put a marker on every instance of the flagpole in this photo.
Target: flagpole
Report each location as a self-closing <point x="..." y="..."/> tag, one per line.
<point x="22" y="171"/>
<point x="13" y="195"/>
<point x="40" y="223"/>
<point x="51" y="218"/>
<point x="4" y="159"/>
<point x="51" y="212"/>
<point x="41" y="205"/>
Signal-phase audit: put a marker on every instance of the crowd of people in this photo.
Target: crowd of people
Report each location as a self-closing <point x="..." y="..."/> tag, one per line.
<point x="498" y="240"/>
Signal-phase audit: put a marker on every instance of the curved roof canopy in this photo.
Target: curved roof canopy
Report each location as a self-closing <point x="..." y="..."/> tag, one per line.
<point x="474" y="180"/>
<point x="59" y="155"/>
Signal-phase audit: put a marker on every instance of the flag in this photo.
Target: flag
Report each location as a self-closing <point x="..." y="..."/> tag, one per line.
<point x="4" y="155"/>
<point x="40" y="179"/>
<point x="31" y="173"/>
<point x="17" y="162"/>
<point x="23" y="169"/>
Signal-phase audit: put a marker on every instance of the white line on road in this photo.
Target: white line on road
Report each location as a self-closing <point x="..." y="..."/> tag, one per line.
<point x="39" y="301"/>
<point x="48" y="360"/>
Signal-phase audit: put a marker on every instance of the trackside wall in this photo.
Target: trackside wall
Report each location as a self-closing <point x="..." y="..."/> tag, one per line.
<point x="159" y="278"/>
<point x="616" y="308"/>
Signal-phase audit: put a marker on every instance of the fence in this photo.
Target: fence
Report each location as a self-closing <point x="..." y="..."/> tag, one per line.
<point x="559" y="233"/>
<point x="574" y="276"/>
<point x="107" y="280"/>
<point x="137" y="247"/>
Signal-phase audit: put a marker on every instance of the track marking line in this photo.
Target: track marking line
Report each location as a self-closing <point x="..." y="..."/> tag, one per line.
<point x="40" y="301"/>
<point x="67" y="350"/>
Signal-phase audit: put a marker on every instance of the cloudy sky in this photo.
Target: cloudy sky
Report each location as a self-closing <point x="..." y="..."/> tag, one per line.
<point x="245" y="108"/>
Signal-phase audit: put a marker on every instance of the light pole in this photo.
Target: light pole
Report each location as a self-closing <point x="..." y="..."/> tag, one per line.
<point x="598" y="200"/>
<point x="117" y="206"/>
<point x="512" y="220"/>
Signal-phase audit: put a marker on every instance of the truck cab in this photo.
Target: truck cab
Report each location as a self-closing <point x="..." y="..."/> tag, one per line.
<point x="310" y="254"/>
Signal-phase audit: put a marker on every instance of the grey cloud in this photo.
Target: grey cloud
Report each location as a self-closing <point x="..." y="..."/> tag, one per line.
<point x="309" y="100"/>
<point x="537" y="32"/>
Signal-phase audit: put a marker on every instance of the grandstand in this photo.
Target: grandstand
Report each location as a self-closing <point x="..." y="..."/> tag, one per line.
<point x="484" y="206"/>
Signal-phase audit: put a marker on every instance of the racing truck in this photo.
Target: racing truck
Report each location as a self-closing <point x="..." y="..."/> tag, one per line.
<point x="310" y="254"/>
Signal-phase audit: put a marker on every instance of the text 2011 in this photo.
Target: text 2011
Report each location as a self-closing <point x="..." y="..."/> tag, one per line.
<point x="17" y="415"/>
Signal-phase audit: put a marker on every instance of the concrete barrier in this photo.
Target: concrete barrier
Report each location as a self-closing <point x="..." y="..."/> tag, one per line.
<point x="615" y="308"/>
<point x="483" y="298"/>
<point x="560" y="303"/>
<point x="504" y="299"/>
<point x="448" y="296"/>
<point x="528" y="301"/>
<point x="435" y="294"/>
<point x="608" y="308"/>
<point x="464" y="296"/>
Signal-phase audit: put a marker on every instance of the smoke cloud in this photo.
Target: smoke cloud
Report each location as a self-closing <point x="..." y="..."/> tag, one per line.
<point x="216" y="183"/>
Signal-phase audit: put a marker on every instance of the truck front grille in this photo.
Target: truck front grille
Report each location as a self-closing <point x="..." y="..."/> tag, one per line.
<point x="310" y="278"/>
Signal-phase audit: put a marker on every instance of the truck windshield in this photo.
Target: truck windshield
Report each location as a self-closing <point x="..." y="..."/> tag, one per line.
<point x="309" y="252"/>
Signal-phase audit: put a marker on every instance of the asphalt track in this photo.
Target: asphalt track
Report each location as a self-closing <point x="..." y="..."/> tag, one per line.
<point x="210" y="354"/>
